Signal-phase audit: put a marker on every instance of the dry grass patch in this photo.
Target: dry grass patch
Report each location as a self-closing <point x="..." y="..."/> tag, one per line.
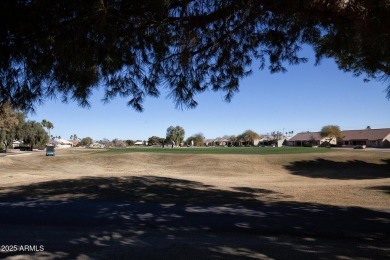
<point x="344" y="178"/>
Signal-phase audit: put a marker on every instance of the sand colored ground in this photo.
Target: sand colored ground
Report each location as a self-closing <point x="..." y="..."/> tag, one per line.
<point x="343" y="178"/>
<point x="84" y="204"/>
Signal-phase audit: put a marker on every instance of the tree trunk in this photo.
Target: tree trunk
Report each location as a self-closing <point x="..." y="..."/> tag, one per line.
<point x="5" y="147"/>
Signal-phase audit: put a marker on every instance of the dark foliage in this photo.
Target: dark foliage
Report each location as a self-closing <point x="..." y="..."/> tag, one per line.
<point x="350" y="170"/>
<point x="134" y="48"/>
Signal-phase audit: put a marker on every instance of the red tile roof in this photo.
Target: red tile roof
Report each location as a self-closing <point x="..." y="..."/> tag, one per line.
<point x="366" y="134"/>
<point x="306" y="136"/>
<point x="74" y="142"/>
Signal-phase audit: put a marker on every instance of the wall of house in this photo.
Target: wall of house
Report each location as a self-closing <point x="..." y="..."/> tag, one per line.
<point x="62" y="146"/>
<point x="374" y="143"/>
<point x="369" y="143"/>
<point x="386" y="141"/>
<point x="15" y="144"/>
<point x="256" y="142"/>
<point x="325" y="141"/>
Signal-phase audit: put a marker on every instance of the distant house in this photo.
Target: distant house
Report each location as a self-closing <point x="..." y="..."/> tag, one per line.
<point x="368" y="137"/>
<point x="15" y="143"/>
<point x="217" y="142"/>
<point x="226" y="142"/>
<point x="139" y="143"/>
<point x="61" y="143"/>
<point x="97" y="145"/>
<point x="282" y="142"/>
<point x="209" y="142"/>
<point x="74" y="142"/>
<point x="266" y="140"/>
<point x="269" y="140"/>
<point x="309" y="139"/>
<point x="255" y="142"/>
<point x="222" y="141"/>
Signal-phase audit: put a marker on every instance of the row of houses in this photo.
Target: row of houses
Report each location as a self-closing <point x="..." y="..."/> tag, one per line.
<point x="61" y="143"/>
<point x="379" y="138"/>
<point x="264" y="141"/>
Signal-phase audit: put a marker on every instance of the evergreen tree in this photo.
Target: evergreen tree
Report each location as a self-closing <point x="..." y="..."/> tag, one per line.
<point x="136" y="49"/>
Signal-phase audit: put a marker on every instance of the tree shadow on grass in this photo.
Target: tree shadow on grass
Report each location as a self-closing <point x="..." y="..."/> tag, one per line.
<point x="349" y="170"/>
<point x="261" y="194"/>
<point x="155" y="217"/>
<point x="134" y="189"/>
<point x="384" y="189"/>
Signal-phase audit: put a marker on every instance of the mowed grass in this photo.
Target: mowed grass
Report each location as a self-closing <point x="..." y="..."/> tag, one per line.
<point x="223" y="150"/>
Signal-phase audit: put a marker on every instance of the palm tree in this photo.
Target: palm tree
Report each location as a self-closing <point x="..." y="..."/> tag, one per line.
<point x="47" y="124"/>
<point x="73" y="137"/>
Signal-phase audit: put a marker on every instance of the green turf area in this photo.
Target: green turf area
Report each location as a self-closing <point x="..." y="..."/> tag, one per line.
<point x="223" y="150"/>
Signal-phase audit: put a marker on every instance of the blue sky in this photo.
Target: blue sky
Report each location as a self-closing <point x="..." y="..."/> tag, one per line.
<point x="305" y="98"/>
